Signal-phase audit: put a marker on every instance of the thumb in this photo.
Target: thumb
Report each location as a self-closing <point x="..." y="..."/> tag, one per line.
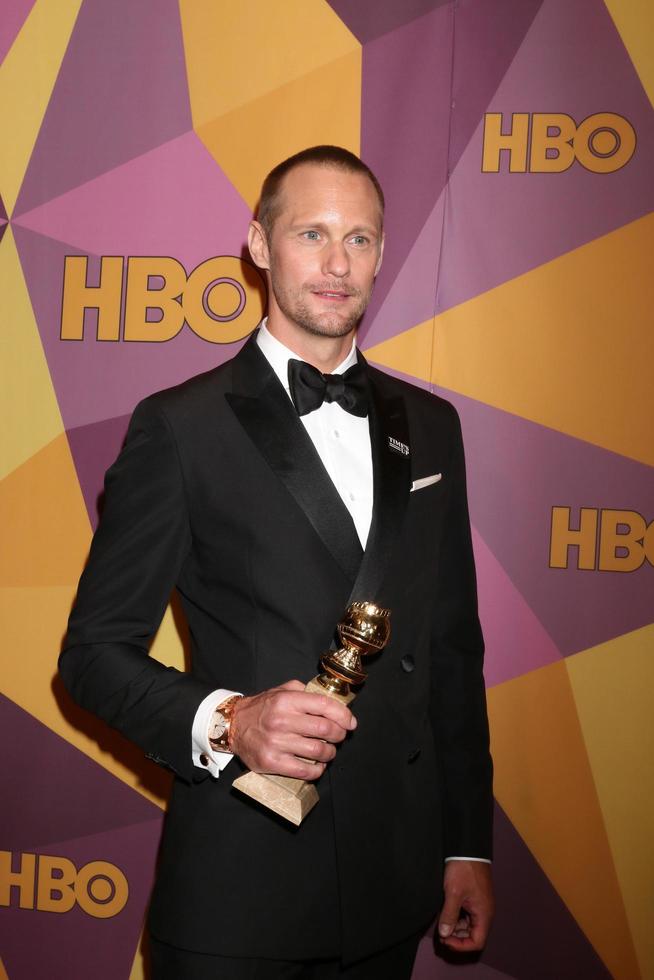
<point x="449" y="916"/>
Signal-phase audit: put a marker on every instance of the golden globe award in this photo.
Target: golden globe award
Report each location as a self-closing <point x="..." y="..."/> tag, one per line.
<point x="364" y="629"/>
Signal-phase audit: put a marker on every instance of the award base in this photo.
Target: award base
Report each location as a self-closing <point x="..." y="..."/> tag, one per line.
<point x="290" y="798"/>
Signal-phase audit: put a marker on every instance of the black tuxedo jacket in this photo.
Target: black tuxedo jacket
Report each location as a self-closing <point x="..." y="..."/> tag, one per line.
<point x="220" y="494"/>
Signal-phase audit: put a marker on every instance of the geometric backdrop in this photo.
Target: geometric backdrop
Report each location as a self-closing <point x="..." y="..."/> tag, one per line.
<point x="514" y="140"/>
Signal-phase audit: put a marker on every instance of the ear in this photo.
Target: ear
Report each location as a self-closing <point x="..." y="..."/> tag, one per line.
<point x="381" y="255"/>
<point x="258" y="245"/>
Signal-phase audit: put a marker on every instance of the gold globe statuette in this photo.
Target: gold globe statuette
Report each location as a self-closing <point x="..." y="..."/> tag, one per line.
<point x="364" y="629"/>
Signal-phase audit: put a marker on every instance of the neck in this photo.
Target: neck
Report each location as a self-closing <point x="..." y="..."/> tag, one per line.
<point x="324" y="353"/>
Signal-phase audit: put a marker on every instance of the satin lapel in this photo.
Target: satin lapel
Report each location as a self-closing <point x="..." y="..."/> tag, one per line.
<point x="392" y="482"/>
<point x="266" y="413"/>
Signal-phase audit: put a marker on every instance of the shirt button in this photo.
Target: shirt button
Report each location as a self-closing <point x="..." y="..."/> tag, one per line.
<point x="351" y="496"/>
<point x="336" y="434"/>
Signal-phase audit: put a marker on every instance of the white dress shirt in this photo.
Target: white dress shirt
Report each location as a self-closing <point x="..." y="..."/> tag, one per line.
<point x="343" y="444"/>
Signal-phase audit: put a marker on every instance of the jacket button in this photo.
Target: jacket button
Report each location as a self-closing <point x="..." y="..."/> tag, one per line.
<point x="413" y="755"/>
<point x="408" y="664"/>
<point x="204" y="759"/>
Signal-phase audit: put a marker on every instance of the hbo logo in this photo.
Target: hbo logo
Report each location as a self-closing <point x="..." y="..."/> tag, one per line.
<point x="53" y="884"/>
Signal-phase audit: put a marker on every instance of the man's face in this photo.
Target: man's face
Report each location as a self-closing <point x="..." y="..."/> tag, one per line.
<point x="324" y="250"/>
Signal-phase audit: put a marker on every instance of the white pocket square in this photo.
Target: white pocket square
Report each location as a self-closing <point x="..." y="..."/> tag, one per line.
<point x="425" y="481"/>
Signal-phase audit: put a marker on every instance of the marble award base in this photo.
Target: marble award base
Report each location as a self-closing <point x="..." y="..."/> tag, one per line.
<point x="290" y="798"/>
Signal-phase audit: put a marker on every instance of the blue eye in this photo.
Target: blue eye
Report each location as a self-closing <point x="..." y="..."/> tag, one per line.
<point x="359" y="240"/>
<point x="311" y="235"/>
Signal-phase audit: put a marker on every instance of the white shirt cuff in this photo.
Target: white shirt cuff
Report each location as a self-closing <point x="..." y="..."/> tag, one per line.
<point x="458" y="858"/>
<point x="200" y="733"/>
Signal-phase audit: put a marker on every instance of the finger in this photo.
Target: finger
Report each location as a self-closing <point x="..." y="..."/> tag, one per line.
<point x="450" y="915"/>
<point x="291" y="686"/>
<point x="472" y="937"/>
<point x="285" y="764"/>
<point x="479" y="929"/>
<point x="320" y="704"/>
<point x="309" y="749"/>
<point x="317" y="726"/>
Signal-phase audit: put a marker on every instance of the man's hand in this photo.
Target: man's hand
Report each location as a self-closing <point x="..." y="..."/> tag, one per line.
<point x="468" y="907"/>
<point x="288" y="731"/>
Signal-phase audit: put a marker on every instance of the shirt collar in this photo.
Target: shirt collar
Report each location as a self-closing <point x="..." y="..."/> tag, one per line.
<point x="278" y="355"/>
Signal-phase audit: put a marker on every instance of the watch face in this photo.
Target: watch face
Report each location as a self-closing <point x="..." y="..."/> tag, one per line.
<point x="218" y="728"/>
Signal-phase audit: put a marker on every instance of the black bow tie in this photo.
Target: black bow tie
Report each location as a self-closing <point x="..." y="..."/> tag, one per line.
<point x="309" y="388"/>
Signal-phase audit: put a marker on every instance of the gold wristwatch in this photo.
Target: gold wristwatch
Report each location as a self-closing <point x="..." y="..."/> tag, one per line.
<point x="220" y="724"/>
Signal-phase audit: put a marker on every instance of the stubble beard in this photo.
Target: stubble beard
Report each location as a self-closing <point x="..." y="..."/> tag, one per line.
<point x="295" y="308"/>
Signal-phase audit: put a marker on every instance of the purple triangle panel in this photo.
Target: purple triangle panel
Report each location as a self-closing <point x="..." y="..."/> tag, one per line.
<point x="418" y="142"/>
<point x="94" y="447"/>
<point x="75" y="943"/>
<point x="430" y="964"/>
<point x="411" y="299"/>
<point x="517" y="472"/>
<point x="97" y="380"/>
<point x="404" y="130"/>
<point x="174" y="200"/>
<point x="479" y="66"/>
<point x="369" y="19"/>
<point x="65" y="795"/>
<point x="14" y="15"/>
<point x="3" y="228"/>
<point x="534" y="934"/>
<point x="3" y="211"/>
<point x="121" y="90"/>
<point x="516" y="641"/>
<point x="500" y="225"/>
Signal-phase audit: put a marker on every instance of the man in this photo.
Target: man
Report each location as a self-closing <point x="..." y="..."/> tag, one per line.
<point x="270" y="510"/>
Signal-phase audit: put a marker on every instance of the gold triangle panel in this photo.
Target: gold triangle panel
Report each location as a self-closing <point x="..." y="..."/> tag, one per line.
<point x="249" y="141"/>
<point x="634" y="20"/>
<point x="31" y="68"/>
<point x="28" y="404"/>
<point x="410" y="352"/>
<point x="231" y="59"/>
<point x="544" y="783"/>
<point x="612" y="686"/>
<point x="34" y="624"/>
<point x="47" y="530"/>
<point x="139" y="969"/>
<point x="563" y="345"/>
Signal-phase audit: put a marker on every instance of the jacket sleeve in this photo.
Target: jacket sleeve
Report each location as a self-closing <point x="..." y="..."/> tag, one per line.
<point x="136" y="555"/>
<point x="458" y="697"/>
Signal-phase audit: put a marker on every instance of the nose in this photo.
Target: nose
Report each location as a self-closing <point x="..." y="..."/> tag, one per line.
<point x="336" y="261"/>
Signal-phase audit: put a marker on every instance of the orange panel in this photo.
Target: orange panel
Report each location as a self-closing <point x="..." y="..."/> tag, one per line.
<point x="581" y="323"/>
<point x="251" y="140"/>
<point x="237" y="52"/>
<point x="544" y="783"/>
<point x="612" y="685"/>
<point x="34" y="621"/>
<point x="47" y="530"/>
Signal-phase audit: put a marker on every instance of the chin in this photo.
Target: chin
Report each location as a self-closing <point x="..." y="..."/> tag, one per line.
<point x="316" y="321"/>
<point x="329" y="323"/>
<point x="328" y="327"/>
